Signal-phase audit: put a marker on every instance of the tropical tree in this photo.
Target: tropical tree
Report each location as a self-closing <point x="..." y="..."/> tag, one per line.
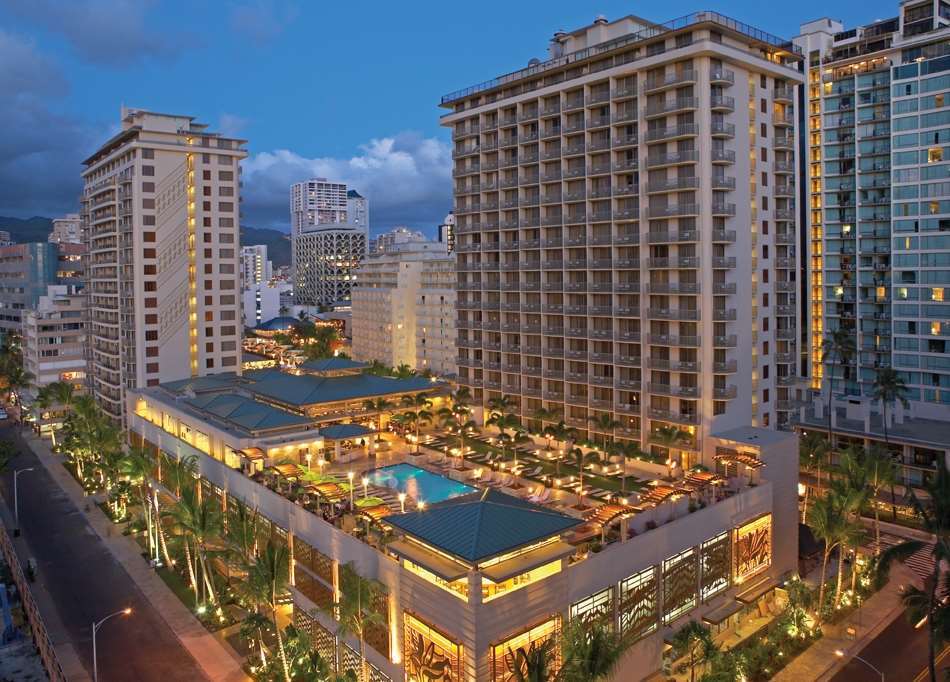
<point x="458" y="418"/>
<point x="590" y="651"/>
<point x="533" y="664"/>
<point x="252" y="630"/>
<point x="889" y="387"/>
<point x="880" y="472"/>
<point x="605" y="423"/>
<point x="404" y="371"/>
<point x="380" y="407"/>
<point x="626" y="449"/>
<point x="929" y="603"/>
<point x="501" y="405"/>
<point x="136" y="466"/>
<point x="16" y="379"/>
<point x="513" y="440"/>
<point x="542" y="415"/>
<point x="505" y="423"/>
<point x="7" y="452"/>
<point x="356" y="610"/>
<point x="838" y="349"/>
<point x="694" y="641"/>
<point x="415" y="419"/>
<point x="581" y="458"/>
<point x="562" y="433"/>
<point x="323" y="343"/>
<point x="812" y="452"/>
<point x="267" y="579"/>
<point x="828" y="525"/>
<point x="670" y="438"/>
<point x="199" y="523"/>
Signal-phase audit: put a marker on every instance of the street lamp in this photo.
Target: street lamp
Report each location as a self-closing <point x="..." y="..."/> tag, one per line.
<point x="308" y="457"/>
<point x="95" y="628"/>
<point x="365" y="487"/>
<point x="16" y="501"/>
<point x="349" y="475"/>
<point x="841" y="654"/>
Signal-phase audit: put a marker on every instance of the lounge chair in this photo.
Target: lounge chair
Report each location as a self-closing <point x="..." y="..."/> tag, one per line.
<point x="541" y="497"/>
<point x="486" y="477"/>
<point x="501" y="481"/>
<point x="532" y="473"/>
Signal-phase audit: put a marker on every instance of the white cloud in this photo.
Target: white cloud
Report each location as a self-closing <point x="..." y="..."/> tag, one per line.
<point x="407" y="179"/>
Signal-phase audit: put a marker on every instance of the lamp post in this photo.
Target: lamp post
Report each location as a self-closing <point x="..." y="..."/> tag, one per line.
<point x="841" y="654"/>
<point x="402" y="502"/>
<point x="95" y="629"/>
<point x="308" y="457"/>
<point x="365" y="487"/>
<point x="16" y="501"/>
<point x="349" y="475"/>
<point x="320" y="462"/>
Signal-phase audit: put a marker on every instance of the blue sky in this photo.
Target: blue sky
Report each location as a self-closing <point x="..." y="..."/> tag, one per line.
<point x="343" y="89"/>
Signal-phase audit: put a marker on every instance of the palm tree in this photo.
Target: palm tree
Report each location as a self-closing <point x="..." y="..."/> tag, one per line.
<point x="252" y="631"/>
<point x="199" y="521"/>
<point x="838" y="348"/>
<point x="929" y="603"/>
<point x="581" y="458"/>
<point x="590" y="651"/>
<point x="812" y="451"/>
<point x="501" y="405"/>
<point x="379" y="406"/>
<point x="542" y="415"/>
<point x="889" y="387"/>
<point x="457" y="418"/>
<point x="267" y="579"/>
<point x="533" y="665"/>
<point x="504" y="423"/>
<point x="562" y="433"/>
<point x="355" y="611"/>
<point x="695" y="641"/>
<point x="7" y="452"/>
<point x="880" y="473"/>
<point x="604" y="422"/>
<point x="136" y="465"/>
<point x="325" y="340"/>
<point x="669" y="437"/>
<point x="17" y="379"/>
<point x="827" y="524"/>
<point x="626" y="449"/>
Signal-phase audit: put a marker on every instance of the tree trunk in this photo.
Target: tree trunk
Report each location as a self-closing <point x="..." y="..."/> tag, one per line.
<point x="821" y="585"/>
<point x="877" y="525"/>
<point x="160" y="528"/>
<point x="841" y="553"/>
<point x="191" y="570"/>
<point x="931" y="627"/>
<point x="831" y="392"/>
<point x="280" y="639"/>
<point x="887" y="447"/>
<point x="805" y="503"/>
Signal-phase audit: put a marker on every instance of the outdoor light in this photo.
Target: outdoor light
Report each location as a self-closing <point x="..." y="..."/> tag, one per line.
<point x="421" y="505"/>
<point x="365" y="483"/>
<point x="349" y="475"/>
<point x="402" y="502"/>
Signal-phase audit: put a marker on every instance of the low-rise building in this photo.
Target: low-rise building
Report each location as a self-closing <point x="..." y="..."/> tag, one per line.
<point x="26" y="270"/>
<point x="263" y="301"/>
<point x="404" y="306"/>
<point x="66" y="230"/>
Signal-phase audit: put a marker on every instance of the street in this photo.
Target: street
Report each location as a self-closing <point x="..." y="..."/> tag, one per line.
<point x="87" y="583"/>
<point x="900" y="652"/>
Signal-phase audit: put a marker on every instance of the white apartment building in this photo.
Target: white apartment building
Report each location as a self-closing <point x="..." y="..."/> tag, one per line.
<point x="255" y="266"/>
<point x="395" y="237"/>
<point x="446" y="232"/>
<point x="357" y="209"/>
<point x="403" y="307"/>
<point x="317" y="201"/>
<point x="264" y="301"/>
<point x="54" y="338"/>
<point x="626" y="237"/>
<point x="877" y="162"/>
<point x="160" y="219"/>
<point x="66" y="230"/>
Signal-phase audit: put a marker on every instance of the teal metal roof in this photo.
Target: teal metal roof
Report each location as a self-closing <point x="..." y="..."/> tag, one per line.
<point x="331" y="364"/>
<point x="247" y="413"/>
<point x="342" y="431"/>
<point x="482" y="525"/>
<point x="277" y="324"/>
<point x="211" y="382"/>
<point x="307" y="389"/>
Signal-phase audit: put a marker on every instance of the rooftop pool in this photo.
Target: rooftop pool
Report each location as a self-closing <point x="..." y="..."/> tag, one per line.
<point x="418" y="483"/>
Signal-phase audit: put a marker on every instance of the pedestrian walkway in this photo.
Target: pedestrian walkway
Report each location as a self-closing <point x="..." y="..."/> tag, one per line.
<point x="820" y="663"/>
<point x="920" y="562"/>
<point x="217" y="660"/>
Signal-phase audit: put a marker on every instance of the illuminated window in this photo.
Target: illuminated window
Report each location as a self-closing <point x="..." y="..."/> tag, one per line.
<point x="638" y="604"/>
<point x="935" y="328"/>
<point x="902" y="293"/>
<point x="714" y="565"/>
<point x="457" y="587"/>
<point x="430" y="655"/>
<point x="505" y="658"/>
<point x="934" y="154"/>
<point x="753" y="547"/>
<point x="599" y="606"/>
<point x="845" y="229"/>
<point x="880" y="292"/>
<point x="936" y="294"/>
<point x="933" y="207"/>
<point x="679" y="584"/>
<point x="491" y="590"/>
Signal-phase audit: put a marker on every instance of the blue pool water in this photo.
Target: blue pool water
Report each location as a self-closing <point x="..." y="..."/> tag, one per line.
<point x="418" y="483"/>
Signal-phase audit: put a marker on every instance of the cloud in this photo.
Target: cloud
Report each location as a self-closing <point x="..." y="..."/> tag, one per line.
<point x="407" y="179"/>
<point x="262" y="20"/>
<point x="115" y="33"/>
<point x="231" y="125"/>
<point x="40" y="150"/>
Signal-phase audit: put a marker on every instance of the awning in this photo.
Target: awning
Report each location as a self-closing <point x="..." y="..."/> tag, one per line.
<point x="288" y="470"/>
<point x="500" y="572"/>
<point x="605" y="514"/>
<point x="374" y="513"/>
<point x="720" y="614"/>
<point x="734" y="457"/>
<point x="252" y="453"/>
<point x="756" y="590"/>
<point x="445" y="568"/>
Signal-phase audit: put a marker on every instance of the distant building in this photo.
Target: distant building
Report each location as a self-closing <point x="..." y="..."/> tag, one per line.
<point x="327" y="246"/>
<point x="26" y="270"/>
<point x="66" y="230"/>
<point x="447" y="232"/>
<point x="160" y="213"/>
<point x="386" y="241"/>
<point x="255" y="267"/>
<point x="5" y="238"/>
<point x="404" y="307"/>
<point x="264" y="301"/>
<point x="54" y="346"/>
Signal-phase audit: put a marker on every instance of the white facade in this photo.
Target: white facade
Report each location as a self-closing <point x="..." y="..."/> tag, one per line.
<point x="264" y="301"/>
<point x="395" y="238"/>
<point x="620" y="232"/>
<point x="66" y="230"/>
<point x="403" y="308"/>
<point x="446" y="233"/>
<point x="255" y="266"/>
<point x="357" y="210"/>
<point x="317" y="202"/>
<point x="54" y="338"/>
<point x="160" y="218"/>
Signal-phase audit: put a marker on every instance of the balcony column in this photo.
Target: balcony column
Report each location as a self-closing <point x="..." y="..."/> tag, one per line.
<point x="474" y="587"/>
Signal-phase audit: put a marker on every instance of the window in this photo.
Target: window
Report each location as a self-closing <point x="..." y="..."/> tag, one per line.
<point x="936" y="294"/>
<point x="148" y="171"/>
<point x="935" y="154"/>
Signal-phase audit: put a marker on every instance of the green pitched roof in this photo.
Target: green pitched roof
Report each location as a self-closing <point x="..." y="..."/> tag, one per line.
<point x="331" y="364"/>
<point x="247" y="413"/>
<point x="307" y="389"/>
<point x="342" y="431"/>
<point x="211" y="382"/>
<point x="482" y="525"/>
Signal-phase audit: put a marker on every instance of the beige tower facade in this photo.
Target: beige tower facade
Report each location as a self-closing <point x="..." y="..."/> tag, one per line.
<point x="627" y="230"/>
<point x="160" y="218"/>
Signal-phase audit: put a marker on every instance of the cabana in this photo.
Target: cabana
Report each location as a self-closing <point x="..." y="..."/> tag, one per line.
<point x="731" y="460"/>
<point x="338" y="433"/>
<point x="252" y="460"/>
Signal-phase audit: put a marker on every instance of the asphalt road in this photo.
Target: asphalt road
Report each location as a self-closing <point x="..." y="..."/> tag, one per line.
<point x="900" y="652"/>
<point x="87" y="584"/>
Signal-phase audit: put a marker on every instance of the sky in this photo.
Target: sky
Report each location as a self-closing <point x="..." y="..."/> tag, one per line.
<point x="345" y="90"/>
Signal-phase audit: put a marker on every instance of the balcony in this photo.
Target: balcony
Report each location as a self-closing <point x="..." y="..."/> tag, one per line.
<point x="669" y="80"/>
<point x="725" y="392"/>
<point x="672" y="287"/>
<point x="722" y="129"/>
<point x="727" y="367"/>
<point x="722" y="76"/>
<point x="672" y="132"/>
<point x="670" y="107"/>
<point x="722" y="103"/>
<point x="677" y="417"/>
<point x="723" y="156"/>
<point x="674" y="158"/>
<point x="672" y="184"/>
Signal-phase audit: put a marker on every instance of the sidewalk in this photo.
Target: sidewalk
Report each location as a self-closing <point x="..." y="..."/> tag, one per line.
<point x="819" y="661"/>
<point x="217" y="660"/>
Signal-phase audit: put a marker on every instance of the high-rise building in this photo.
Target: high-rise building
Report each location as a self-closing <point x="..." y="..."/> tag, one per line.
<point x="446" y="232"/>
<point x="26" y="270"/>
<point x="876" y="169"/>
<point x="66" y="230"/>
<point x="403" y="307"/>
<point x="326" y="245"/>
<point x="627" y="230"/>
<point x="160" y="216"/>
<point x="255" y="266"/>
<point x="266" y="300"/>
<point x="397" y="236"/>
<point x="357" y="209"/>
<point x="5" y="238"/>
